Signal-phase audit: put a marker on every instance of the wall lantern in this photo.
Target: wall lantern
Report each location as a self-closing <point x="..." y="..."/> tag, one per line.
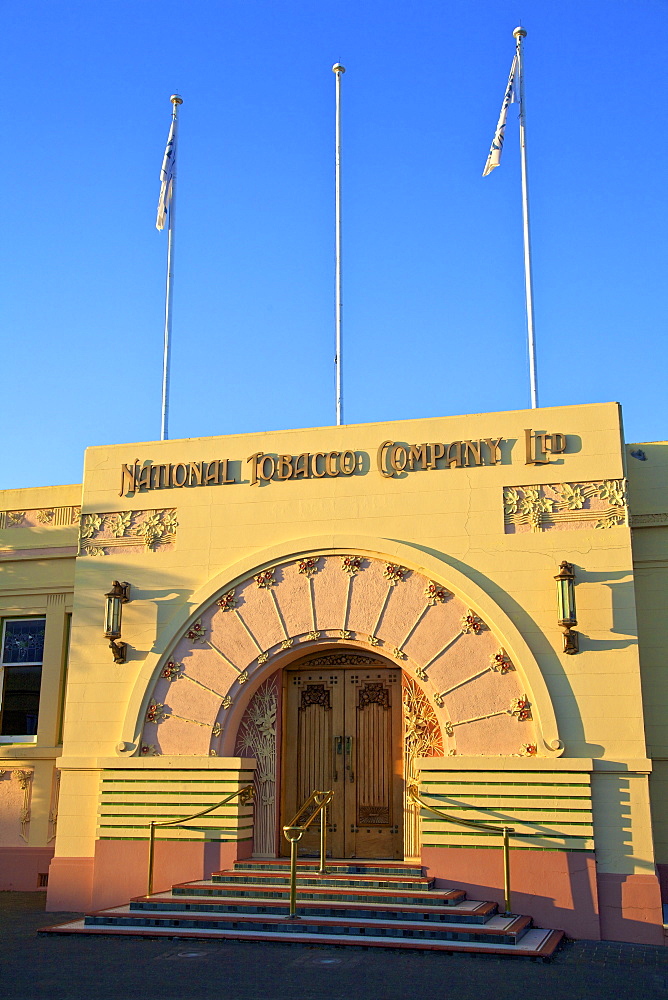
<point x="566" y="606"/>
<point x="113" y="613"/>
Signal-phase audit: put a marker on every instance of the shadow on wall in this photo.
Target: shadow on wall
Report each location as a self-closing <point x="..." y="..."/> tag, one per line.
<point x="558" y="889"/>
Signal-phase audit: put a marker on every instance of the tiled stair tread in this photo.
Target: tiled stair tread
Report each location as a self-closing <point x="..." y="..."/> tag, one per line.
<point x="219" y="888"/>
<point x="352" y="867"/>
<point x="351" y="881"/>
<point x="468" y="907"/>
<point x="535" y="943"/>
<point x="496" y="925"/>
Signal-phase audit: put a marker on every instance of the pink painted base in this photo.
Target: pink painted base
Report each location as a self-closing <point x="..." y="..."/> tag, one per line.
<point x="630" y="908"/>
<point x="558" y="889"/>
<point x="119" y="871"/>
<point x="70" y="885"/>
<point x="20" y="867"/>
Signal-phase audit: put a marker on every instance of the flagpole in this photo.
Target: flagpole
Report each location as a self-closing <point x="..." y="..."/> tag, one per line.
<point x="519" y="34"/>
<point x="169" y="290"/>
<point x="338" y="69"/>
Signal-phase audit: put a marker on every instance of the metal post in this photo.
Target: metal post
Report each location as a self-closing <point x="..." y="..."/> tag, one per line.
<point x="323" y="840"/>
<point x="293" y="878"/>
<point x="151" y="842"/>
<point x="338" y="69"/>
<point x="519" y="34"/>
<point x="506" y="872"/>
<point x="164" y="428"/>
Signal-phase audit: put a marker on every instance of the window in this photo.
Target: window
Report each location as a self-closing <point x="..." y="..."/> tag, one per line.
<point x="21" y="675"/>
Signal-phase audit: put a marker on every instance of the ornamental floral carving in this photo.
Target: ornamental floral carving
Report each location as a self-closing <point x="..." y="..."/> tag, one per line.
<point x="171" y="671"/>
<point x="226" y="702"/>
<point x="435" y="594"/>
<point x="265" y="579"/>
<point x="196" y="632"/>
<point x="287" y="643"/>
<point x="40" y="517"/>
<point x="346" y="634"/>
<point x="228" y="601"/>
<point x="501" y="662"/>
<point x="394" y="573"/>
<point x="262" y="658"/>
<point x="351" y="564"/>
<point x="374" y="640"/>
<point x="23" y="777"/>
<point x="90" y="525"/>
<point x="155" y="712"/>
<point x="127" y="530"/>
<point x="217" y="730"/>
<point x="528" y="750"/>
<point x="243" y="677"/>
<point x="149" y="750"/>
<point x="120" y="523"/>
<point x="565" y="506"/>
<point x="257" y="738"/>
<point x="308" y="567"/>
<point x="398" y="653"/>
<point x="471" y="624"/>
<point x="520" y="708"/>
<point x="312" y="636"/>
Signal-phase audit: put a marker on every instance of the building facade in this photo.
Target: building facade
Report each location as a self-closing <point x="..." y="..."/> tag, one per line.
<point x="370" y="609"/>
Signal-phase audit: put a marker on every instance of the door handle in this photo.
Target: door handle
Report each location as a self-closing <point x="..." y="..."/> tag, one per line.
<point x="338" y="750"/>
<point x="349" y="758"/>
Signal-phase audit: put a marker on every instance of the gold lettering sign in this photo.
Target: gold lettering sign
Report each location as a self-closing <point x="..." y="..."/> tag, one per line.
<point x="394" y="459"/>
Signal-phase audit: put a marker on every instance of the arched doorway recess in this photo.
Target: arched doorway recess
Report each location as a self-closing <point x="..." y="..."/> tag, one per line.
<point x="221" y="679"/>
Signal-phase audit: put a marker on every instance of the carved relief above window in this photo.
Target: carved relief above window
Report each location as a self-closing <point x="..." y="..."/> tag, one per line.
<point x="127" y="530"/>
<point x="44" y="517"/>
<point x="565" y="506"/>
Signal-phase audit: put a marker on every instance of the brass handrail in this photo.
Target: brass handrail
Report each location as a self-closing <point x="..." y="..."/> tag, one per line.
<point x="245" y="794"/>
<point x="294" y="831"/>
<point x="477" y="825"/>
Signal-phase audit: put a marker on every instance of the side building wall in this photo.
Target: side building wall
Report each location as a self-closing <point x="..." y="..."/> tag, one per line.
<point x="648" y="497"/>
<point x="39" y="531"/>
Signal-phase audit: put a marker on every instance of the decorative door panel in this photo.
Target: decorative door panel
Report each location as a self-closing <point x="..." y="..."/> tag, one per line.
<point x="314" y="716"/>
<point x="374" y="780"/>
<point x="343" y="731"/>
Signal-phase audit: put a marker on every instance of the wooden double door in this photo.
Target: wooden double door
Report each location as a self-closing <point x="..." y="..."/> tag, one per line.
<point x="343" y="730"/>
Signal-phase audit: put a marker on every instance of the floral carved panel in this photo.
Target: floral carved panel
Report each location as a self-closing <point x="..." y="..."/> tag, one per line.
<point x="565" y="506"/>
<point x="43" y="517"/>
<point x="127" y="530"/>
<point x="257" y="738"/>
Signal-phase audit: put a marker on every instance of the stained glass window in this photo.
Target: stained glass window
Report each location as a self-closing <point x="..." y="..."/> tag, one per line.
<point x="21" y="675"/>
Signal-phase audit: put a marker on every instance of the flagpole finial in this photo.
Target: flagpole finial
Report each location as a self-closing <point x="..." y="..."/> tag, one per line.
<point x="519" y="32"/>
<point x="175" y="99"/>
<point x="338" y="68"/>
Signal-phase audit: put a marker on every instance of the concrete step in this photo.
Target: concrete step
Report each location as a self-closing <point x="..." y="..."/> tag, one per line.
<point x="468" y="911"/>
<point x="223" y="890"/>
<point x="399" y="868"/>
<point x="338" y="879"/>
<point x="535" y="943"/>
<point x="498" y="930"/>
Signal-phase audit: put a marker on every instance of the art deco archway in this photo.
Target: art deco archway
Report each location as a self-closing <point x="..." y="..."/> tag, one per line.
<point x="214" y="683"/>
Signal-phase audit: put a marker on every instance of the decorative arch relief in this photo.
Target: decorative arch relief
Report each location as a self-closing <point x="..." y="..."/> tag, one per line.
<point x="244" y="634"/>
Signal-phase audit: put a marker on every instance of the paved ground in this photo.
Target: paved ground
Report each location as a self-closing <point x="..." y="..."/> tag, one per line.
<point x="83" y="968"/>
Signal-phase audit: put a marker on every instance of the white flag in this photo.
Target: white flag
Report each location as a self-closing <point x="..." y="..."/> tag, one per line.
<point x="166" y="178"/>
<point x="510" y="97"/>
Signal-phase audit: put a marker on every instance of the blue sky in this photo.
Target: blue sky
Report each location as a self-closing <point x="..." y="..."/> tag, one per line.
<point x="434" y="320"/>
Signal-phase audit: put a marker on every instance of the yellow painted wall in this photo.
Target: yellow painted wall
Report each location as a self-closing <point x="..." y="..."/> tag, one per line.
<point x="648" y="496"/>
<point x="455" y="515"/>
